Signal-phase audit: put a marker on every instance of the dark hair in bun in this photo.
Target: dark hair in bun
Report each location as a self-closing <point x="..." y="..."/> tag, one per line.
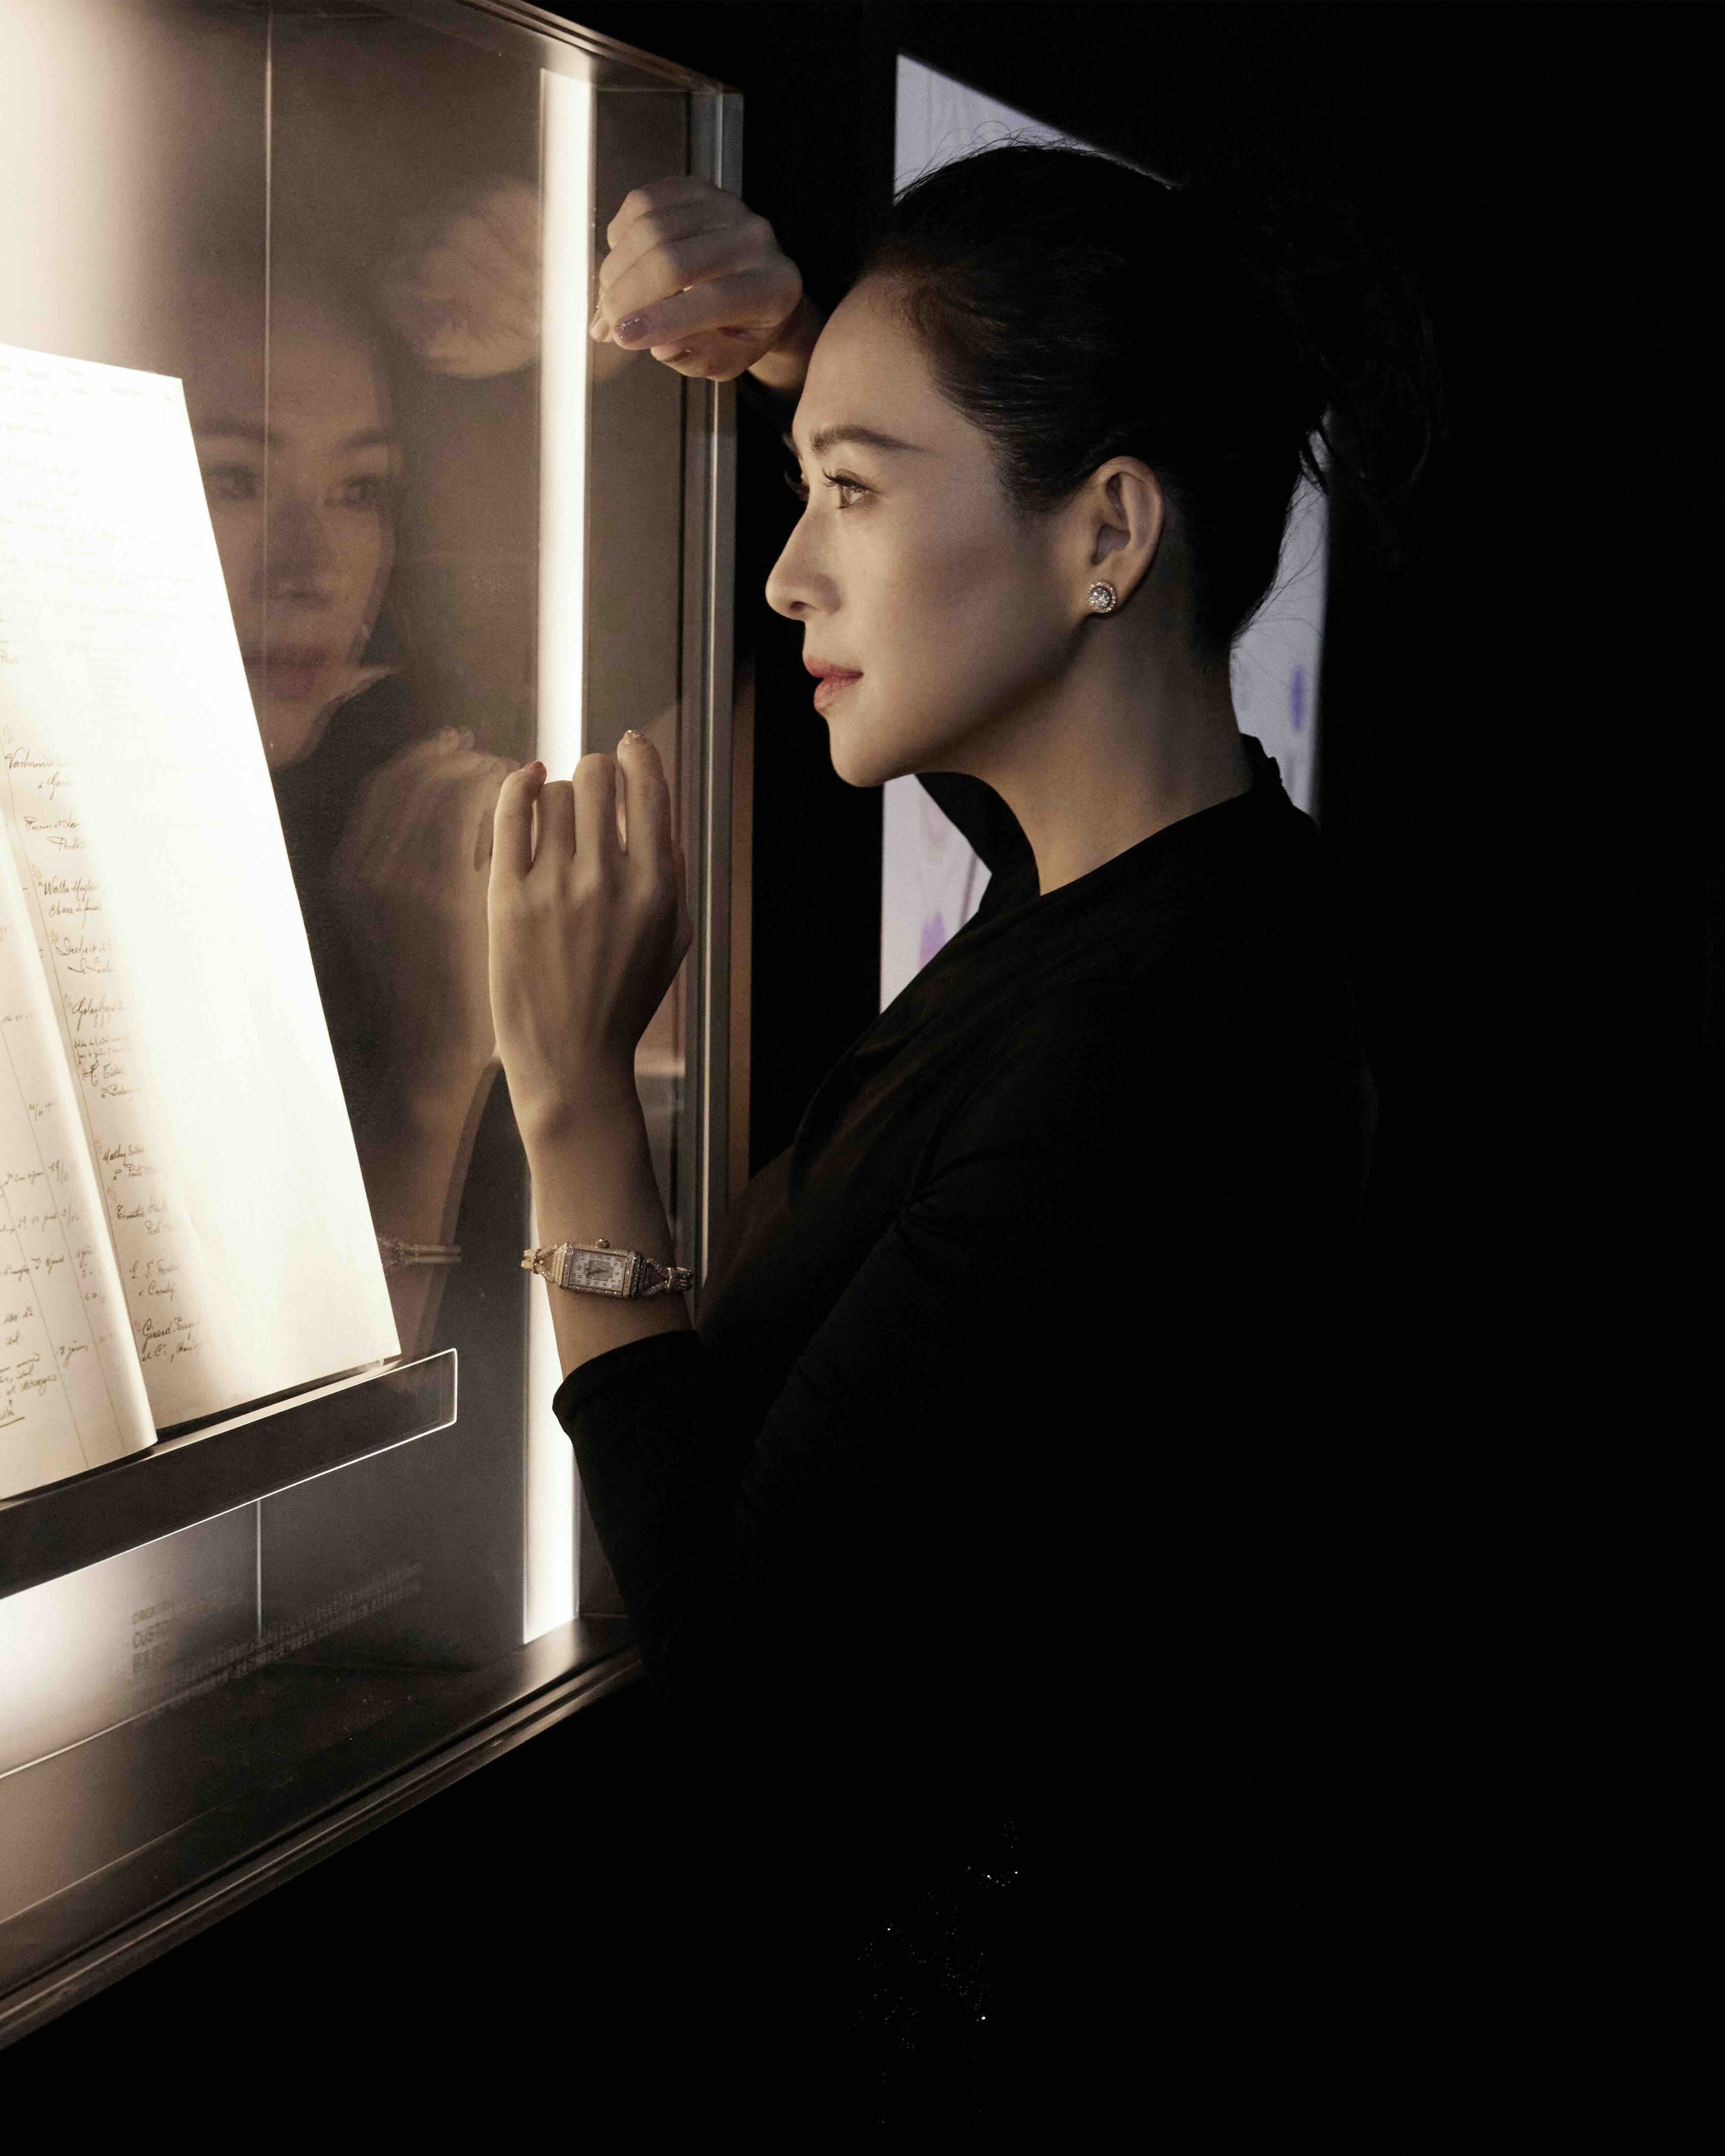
<point x="1228" y="337"/>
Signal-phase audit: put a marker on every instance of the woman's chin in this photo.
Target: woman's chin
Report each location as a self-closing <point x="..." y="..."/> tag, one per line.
<point x="291" y="727"/>
<point x="862" y="766"/>
<point x="857" y="760"/>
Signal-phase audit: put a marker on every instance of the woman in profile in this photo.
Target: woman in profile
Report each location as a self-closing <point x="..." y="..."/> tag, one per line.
<point x="982" y="1545"/>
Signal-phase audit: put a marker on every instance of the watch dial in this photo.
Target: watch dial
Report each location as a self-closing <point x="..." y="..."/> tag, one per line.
<point x="599" y="1272"/>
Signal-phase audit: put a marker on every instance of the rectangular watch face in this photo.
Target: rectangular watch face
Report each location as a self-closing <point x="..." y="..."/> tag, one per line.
<point x="597" y="1272"/>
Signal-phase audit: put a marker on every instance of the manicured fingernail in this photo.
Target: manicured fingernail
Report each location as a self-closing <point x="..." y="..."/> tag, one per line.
<point x="596" y="327"/>
<point x="536" y="771"/>
<point x="632" y="326"/>
<point x="682" y="351"/>
<point x="632" y="736"/>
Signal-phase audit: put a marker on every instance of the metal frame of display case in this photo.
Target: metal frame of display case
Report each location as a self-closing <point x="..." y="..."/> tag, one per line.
<point x="710" y="500"/>
<point x="432" y="1728"/>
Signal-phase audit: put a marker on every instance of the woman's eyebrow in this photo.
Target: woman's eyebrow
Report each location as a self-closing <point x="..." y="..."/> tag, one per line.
<point x="240" y="430"/>
<point x="867" y="438"/>
<point x="249" y="430"/>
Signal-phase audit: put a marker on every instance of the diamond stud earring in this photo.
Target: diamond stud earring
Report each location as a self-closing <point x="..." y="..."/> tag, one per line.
<point x="1103" y="598"/>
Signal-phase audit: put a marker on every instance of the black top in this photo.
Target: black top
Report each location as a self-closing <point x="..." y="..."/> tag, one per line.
<point x="1000" y="1396"/>
<point x="316" y="797"/>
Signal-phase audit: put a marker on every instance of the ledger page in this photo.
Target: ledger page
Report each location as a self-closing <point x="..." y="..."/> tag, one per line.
<point x="149" y="851"/>
<point x="71" y="1392"/>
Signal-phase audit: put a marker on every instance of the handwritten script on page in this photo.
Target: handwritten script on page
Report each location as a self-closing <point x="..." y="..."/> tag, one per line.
<point x="71" y="1391"/>
<point x="148" y="859"/>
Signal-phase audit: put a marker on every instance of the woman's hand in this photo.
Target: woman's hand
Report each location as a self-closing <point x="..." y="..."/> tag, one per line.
<point x="590" y="922"/>
<point x="411" y="874"/>
<point x="698" y="280"/>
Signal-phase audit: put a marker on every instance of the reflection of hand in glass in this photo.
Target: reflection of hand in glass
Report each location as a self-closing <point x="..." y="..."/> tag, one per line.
<point x="411" y="873"/>
<point x="461" y="283"/>
<point x="696" y="277"/>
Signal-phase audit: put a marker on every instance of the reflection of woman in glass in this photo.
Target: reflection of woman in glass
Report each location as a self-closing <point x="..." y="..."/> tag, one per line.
<point x="971" y="1534"/>
<point x="388" y="832"/>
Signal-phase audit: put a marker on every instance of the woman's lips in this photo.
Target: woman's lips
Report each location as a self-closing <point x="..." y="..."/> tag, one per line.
<point x="292" y="675"/>
<point x="831" y="685"/>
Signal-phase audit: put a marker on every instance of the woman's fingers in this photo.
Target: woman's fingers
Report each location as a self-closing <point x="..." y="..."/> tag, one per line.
<point x="647" y="805"/>
<point x="598" y="847"/>
<point x="695" y="277"/>
<point x="513" y="822"/>
<point x="657" y="196"/>
<point x="683" y="235"/>
<point x="755" y="304"/>
<point x="554" y="846"/>
<point x="661" y="260"/>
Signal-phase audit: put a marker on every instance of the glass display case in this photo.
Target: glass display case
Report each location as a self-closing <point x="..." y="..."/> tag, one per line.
<point x="303" y="440"/>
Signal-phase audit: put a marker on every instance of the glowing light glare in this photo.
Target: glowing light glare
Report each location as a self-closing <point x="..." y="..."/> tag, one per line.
<point x="566" y="246"/>
<point x="87" y="170"/>
<point x="565" y="138"/>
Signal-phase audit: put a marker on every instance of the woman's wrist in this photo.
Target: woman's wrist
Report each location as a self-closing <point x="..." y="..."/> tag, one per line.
<point x="784" y="367"/>
<point x="586" y="1107"/>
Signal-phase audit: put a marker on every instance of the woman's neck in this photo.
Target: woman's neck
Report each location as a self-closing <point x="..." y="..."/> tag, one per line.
<point x="1125" y="742"/>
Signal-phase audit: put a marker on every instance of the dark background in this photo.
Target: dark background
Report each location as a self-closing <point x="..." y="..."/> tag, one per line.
<point x="1501" y="748"/>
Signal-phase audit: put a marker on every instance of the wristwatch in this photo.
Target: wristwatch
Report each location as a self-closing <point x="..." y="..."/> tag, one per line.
<point x="398" y="1254"/>
<point x="596" y="1269"/>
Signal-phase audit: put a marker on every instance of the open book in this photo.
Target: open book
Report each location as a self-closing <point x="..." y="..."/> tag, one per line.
<point x="183" y="1225"/>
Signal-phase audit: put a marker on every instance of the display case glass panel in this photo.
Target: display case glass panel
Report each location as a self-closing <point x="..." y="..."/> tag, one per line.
<point x="342" y="257"/>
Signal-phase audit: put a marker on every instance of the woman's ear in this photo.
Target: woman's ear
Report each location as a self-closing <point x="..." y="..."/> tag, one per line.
<point x="1122" y="514"/>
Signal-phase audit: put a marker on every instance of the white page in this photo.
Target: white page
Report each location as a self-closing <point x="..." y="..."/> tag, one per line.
<point x="149" y="850"/>
<point x="71" y="1392"/>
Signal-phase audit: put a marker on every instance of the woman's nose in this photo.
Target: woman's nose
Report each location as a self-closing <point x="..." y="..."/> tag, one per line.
<point x="300" y="559"/>
<point x="796" y="587"/>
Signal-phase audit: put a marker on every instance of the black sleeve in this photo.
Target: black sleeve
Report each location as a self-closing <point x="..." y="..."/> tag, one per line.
<point x="980" y="1467"/>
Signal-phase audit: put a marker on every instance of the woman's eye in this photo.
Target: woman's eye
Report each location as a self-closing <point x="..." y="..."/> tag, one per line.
<point x="231" y="483"/>
<point x="850" y="491"/>
<point x="371" y="490"/>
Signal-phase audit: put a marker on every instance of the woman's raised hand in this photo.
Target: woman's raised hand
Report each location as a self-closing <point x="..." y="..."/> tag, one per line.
<point x="590" y="922"/>
<point x="697" y="279"/>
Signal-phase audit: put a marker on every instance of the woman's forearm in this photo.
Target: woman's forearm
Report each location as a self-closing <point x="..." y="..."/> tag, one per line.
<point x="593" y="1176"/>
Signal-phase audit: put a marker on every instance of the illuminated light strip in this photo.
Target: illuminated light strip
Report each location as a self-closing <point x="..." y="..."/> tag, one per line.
<point x="565" y="136"/>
